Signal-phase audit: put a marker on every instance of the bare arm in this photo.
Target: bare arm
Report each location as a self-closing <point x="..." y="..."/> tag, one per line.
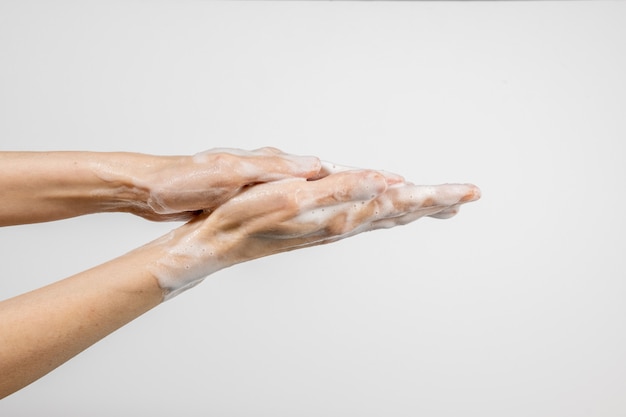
<point x="45" y="186"/>
<point x="46" y="327"/>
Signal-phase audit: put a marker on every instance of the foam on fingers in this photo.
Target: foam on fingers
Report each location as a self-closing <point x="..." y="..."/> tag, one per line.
<point x="329" y="168"/>
<point x="443" y="195"/>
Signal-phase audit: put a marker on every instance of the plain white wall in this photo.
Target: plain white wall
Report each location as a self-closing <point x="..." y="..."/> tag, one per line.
<point x="513" y="308"/>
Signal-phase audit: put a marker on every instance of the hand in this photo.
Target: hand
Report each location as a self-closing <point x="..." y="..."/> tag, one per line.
<point x="294" y="213"/>
<point x="178" y="187"/>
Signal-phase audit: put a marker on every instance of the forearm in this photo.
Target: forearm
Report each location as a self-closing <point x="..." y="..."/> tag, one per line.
<point x="44" y="186"/>
<point x="43" y="329"/>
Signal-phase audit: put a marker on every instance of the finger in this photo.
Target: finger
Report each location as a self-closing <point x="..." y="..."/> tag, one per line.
<point x="447" y="213"/>
<point x="267" y="150"/>
<point x="272" y="164"/>
<point x="260" y="165"/>
<point x="407" y="197"/>
<point x="323" y="208"/>
<point x="347" y="186"/>
<point x="404" y="204"/>
<point x="286" y="164"/>
<point x="436" y="212"/>
<point x="398" y="205"/>
<point x="300" y="202"/>
<point x="328" y="168"/>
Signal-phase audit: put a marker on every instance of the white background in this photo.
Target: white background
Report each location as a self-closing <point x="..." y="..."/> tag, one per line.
<point x="515" y="307"/>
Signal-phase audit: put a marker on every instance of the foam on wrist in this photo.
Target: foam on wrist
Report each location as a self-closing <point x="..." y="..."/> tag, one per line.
<point x="186" y="262"/>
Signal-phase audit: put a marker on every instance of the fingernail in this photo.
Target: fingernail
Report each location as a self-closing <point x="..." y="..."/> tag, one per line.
<point x="308" y="163"/>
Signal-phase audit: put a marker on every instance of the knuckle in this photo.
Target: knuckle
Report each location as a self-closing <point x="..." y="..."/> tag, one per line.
<point x="338" y="226"/>
<point x="269" y="150"/>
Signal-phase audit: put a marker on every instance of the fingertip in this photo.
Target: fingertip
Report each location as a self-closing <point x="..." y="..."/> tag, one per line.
<point x="311" y="166"/>
<point x="308" y="167"/>
<point x="472" y="194"/>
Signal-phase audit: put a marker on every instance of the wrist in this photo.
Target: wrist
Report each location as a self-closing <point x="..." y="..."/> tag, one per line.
<point x="185" y="257"/>
<point x="143" y="185"/>
<point x="121" y="187"/>
<point x="46" y="186"/>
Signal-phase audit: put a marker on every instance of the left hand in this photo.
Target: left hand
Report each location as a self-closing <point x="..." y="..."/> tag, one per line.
<point x="178" y="187"/>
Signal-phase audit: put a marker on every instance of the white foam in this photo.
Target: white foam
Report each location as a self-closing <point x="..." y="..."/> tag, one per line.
<point x="187" y="262"/>
<point x="191" y="255"/>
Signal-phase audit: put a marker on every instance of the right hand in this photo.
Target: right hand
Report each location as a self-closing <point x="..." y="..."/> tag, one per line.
<point x="295" y="213"/>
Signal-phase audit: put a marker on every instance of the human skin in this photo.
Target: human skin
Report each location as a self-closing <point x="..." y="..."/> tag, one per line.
<point x="45" y="186"/>
<point x="44" y="328"/>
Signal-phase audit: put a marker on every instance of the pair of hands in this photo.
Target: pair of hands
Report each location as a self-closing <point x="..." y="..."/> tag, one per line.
<point x="238" y="206"/>
<point x="242" y="205"/>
